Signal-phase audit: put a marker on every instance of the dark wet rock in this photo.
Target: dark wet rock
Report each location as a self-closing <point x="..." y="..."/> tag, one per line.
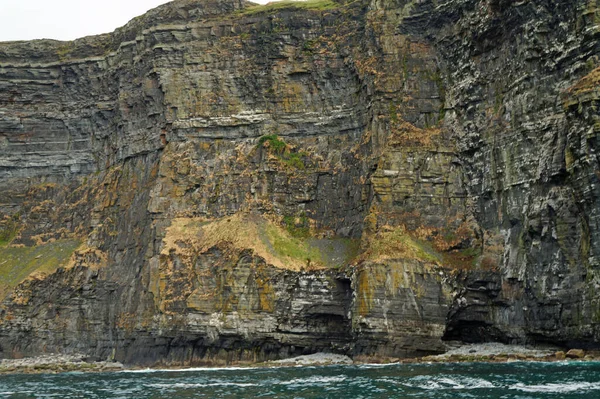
<point x="576" y="354"/>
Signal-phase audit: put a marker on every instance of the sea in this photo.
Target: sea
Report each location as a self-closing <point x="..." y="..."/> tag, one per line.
<point x="523" y="380"/>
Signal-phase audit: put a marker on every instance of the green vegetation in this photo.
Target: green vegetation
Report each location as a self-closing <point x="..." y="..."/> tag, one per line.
<point x="336" y="252"/>
<point x="275" y="144"/>
<point x="8" y="230"/>
<point x="436" y="78"/>
<point x="16" y="263"/>
<point x="297" y="226"/>
<point x="280" y="149"/>
<point x="316" y="5"/>
<point x="309" y="46"/>
<point x="590" y="65"/>
<point x="393" y="113"/>
<point x="294" y="160"/>
<point x="286" y="246"/>
<point x="398" y="243"/>
<point x="295" y="242"/>
<point x="65" y="49"/>
<point x="63" y="53"/>
<point x="467" y="259"/>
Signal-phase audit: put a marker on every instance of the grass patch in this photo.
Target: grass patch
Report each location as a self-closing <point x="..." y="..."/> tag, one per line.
<point x="336" y="252"/>
<point x="291" y="248"/>
<point x="5" y="240"/>
<point x="297" y="226"/>
<point x="397" y="243"/>
<point x="281" y="150"/>
<point x="8" y="230"/>
<point x="189" y="237"/>
<point x="465" y="259"/>
<point x="294" y="160"/>
<point x="273" y="143"/>
<point x="315" y="5"/>
<point x="309" y="46"/>
<point x="17" y="263"/>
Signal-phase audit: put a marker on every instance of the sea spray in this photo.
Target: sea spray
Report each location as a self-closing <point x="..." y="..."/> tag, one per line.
<point x="534" y="380"/>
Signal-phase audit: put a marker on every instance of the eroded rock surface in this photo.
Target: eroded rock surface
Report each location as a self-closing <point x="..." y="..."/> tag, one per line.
<point x="219" y="181"/>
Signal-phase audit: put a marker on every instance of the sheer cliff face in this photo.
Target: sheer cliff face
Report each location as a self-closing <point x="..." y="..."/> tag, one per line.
<point x="218" y="181"/>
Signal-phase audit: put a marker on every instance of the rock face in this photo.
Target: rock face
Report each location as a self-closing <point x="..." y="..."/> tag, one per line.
<point x="219" y="181"/>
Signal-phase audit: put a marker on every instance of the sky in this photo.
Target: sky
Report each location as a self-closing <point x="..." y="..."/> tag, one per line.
<point x="68" y="19"/>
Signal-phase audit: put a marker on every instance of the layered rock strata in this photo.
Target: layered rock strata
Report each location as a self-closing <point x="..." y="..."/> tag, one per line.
<point x="219" y="181"/>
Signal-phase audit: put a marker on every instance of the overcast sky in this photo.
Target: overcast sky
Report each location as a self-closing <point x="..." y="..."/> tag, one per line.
<point x="68" y="19"/>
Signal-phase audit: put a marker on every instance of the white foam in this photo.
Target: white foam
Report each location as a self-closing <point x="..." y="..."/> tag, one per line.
<point x="439" y="383"/>
<point x="558" y="388"/>
<point x="376" y="365"/>
<point x="315" y="380"/>
<point x="191" y="369"/>
<point x="203" y="385"/>
<point x="316" y="358"/>
<point x="476" y="383"/>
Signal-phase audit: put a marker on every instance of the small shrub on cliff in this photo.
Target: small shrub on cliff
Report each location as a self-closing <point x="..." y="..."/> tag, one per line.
<point x="274" y="143"/>
<point x="297" y="226"/>
<point x="294" y="160"/>
<point x="279" y="148"/>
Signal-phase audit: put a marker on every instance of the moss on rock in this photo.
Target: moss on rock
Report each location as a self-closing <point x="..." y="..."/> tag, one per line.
<point x="17" y="263"/>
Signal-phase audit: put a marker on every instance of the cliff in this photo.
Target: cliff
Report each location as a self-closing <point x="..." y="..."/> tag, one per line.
<point x="219" y="181"/>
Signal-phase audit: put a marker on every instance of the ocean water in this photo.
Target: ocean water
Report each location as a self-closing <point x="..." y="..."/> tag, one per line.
<point x="467" y="380"/>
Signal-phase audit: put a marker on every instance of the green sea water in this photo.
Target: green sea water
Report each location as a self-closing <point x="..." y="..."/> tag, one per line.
<point x="467" y="380"/>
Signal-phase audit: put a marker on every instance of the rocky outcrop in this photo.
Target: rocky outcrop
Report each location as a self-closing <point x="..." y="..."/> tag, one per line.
<point x="516" y="131"/>
<point x="219" y="181"/>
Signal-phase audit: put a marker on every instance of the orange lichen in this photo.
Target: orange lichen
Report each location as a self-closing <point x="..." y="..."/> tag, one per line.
<point x="407" y="135"/>
<point x="397" y="243"/>
<point x="191" y="236"/>
<point x="586" y="84"/>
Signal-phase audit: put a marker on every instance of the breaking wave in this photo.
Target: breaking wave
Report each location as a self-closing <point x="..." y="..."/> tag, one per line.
<point x="558" y="388"/>
<point x="572" y="380"/>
